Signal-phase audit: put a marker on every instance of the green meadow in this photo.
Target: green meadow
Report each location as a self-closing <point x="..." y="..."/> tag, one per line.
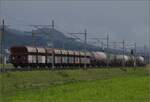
<point x="78" y="85"/>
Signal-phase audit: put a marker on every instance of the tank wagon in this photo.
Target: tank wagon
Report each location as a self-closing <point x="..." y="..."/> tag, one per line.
<point x="140" y="61"/>
<point x="98" y="59"/>
<point x="36" y="57"/>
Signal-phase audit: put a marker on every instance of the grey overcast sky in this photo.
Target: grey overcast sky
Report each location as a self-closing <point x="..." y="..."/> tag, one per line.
<point x="128" y="20"/>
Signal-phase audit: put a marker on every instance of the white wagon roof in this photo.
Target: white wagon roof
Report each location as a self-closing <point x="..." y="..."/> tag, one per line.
<point x="57" y="51"/>
<point x="31" y="49"/>
<point x="64" y="52"/>
<point x="70" y="52"/>
<point x="41" y="50"/>
<point x="77" y="53"/>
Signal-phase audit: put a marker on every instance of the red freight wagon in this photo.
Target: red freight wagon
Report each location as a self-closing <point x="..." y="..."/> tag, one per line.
<point x="22" y="56"/>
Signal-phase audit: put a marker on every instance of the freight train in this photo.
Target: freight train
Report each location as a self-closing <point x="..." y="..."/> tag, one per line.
<point x="36" y="57"/>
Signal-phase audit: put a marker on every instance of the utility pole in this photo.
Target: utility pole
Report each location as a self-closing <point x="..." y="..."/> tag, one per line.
<point x="115" y="45"/>
<point x="123" y="43"/>
<point x="53" y="24"/>
<point x="33" y="39"/>
<point x="107" y="50"/>
<point x="85" y="31"/>
<point x="63" y="44"/>
<point x="102" y="46"/>
<point x="135" y="54"/>
<point x="2" y="45"/>
<point x="145" y="58"/>
<point x="53" y="66"/>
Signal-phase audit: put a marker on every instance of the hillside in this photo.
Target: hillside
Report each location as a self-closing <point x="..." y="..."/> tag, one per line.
<point x="44" y="38"/>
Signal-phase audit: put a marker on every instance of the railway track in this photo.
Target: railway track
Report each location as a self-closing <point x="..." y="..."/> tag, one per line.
<point x="11" y="70"/>
<point x="42" y="69"/>
<point x="19" y="69"/>
<point x="33" y="69"/>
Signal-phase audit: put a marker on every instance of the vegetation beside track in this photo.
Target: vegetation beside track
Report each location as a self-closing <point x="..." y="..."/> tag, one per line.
<point x="7" y="66"/>
<point x="92" y="85"/>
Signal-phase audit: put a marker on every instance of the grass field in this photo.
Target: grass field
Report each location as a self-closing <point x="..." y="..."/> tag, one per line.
<point x="92" y="85"/>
